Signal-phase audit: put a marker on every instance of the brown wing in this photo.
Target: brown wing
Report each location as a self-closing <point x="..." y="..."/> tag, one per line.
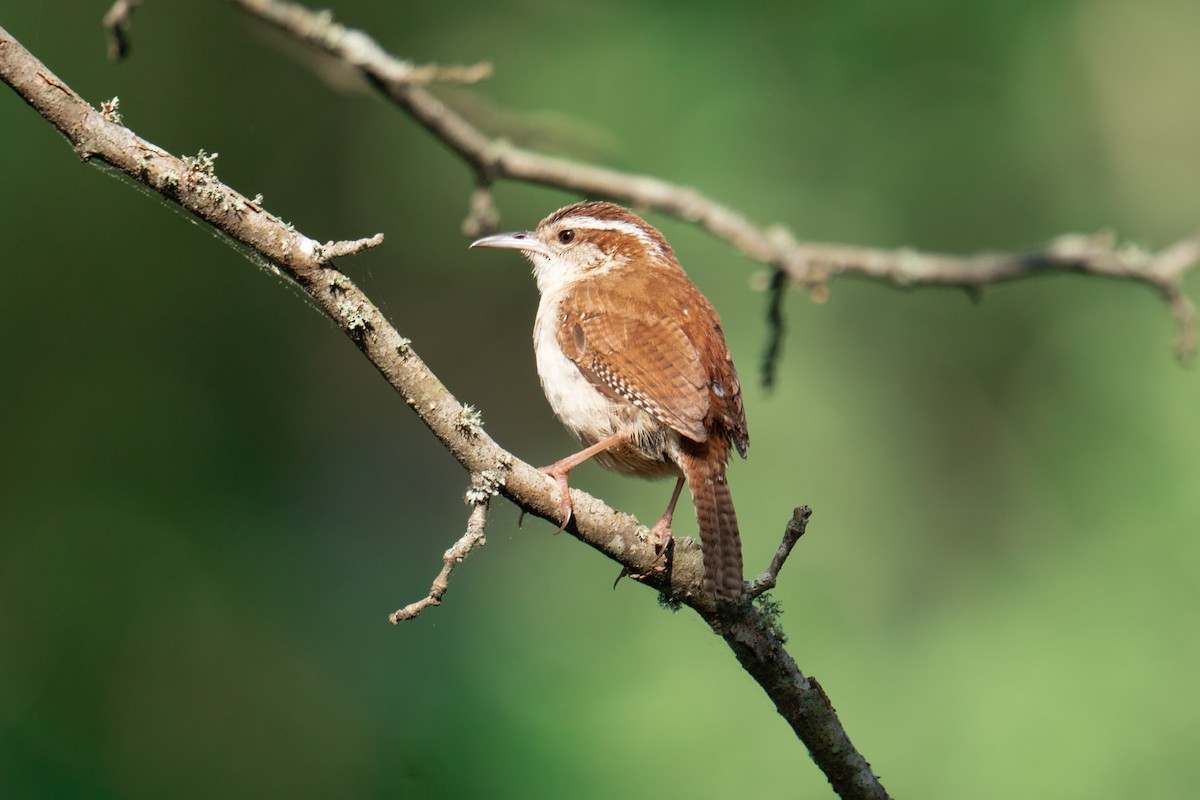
<point x="727" y="393"/>
<point x="630" y="350"/>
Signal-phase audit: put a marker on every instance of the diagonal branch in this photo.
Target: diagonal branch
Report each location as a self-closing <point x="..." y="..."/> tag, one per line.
<point x="192" y="184"/>
<point x="358" y="49"/>
<point x="808" y="264"/>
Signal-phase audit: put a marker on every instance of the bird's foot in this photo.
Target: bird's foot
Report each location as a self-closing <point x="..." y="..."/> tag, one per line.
<point x="661" y="538"/>
<point x="558" y="474"/>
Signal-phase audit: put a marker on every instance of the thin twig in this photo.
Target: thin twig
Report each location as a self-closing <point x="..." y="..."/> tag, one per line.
<point x="776" y="327"/>
<point x="117" y="21"/>
<point x="791" y="534"/>
<point x="349" y="248"/>
<point x="450" y="559"/>
<point x="483" y="216"/>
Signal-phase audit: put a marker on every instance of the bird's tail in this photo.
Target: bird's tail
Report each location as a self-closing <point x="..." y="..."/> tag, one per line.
<point x="718" y="525"/>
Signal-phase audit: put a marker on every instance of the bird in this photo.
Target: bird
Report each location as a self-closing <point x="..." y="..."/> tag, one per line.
<point x="633" y="361"/>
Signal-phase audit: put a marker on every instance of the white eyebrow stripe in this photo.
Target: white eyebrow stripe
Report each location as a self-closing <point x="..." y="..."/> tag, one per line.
<point x="593" y="224"/>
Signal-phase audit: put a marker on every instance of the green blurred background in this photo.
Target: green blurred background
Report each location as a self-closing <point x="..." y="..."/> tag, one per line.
<point x="209" y="501"/>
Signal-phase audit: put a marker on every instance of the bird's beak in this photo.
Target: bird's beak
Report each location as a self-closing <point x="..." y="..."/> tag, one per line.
<point x="524" y="241"/>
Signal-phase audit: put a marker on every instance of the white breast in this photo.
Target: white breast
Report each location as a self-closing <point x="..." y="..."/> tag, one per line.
<point x="585" y="410"/>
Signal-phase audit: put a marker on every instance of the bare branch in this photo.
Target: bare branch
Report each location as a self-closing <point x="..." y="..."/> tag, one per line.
<point x="357" y="49"/>
<point x="117" y="21"/>
<point x="1097" y="255"/>
<point x="483" y="215"/>
<point x="340" y="249"/>
<point x="791" y="534"/>
<point x="805" y="263"/>
<point x="192" y="184"/>
<point x="450" y="559"/>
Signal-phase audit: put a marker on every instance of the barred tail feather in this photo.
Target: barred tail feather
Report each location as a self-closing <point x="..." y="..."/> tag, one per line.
<point x="718" y="525"/>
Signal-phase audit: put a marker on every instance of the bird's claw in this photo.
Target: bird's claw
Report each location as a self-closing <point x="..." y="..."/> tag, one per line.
<point x="565" y="509"/>
<point x="660" y="537"/>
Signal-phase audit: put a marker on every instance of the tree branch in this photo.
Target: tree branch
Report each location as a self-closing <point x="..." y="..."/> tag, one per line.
<point x="192" y="184"/>
<point x="791" y="534"/>
<point x="808" y="264"/>
<point x="451" y="558"/>
<point x="358" y="49"/>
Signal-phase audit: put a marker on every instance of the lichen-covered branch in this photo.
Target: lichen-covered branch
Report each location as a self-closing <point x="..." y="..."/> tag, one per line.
<point x="807" y="264"/>
<point x="474" y="537"/>
<point x="193" y="185"/>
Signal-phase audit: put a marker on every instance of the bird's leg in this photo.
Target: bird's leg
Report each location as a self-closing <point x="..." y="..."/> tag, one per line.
<point x="660" y="537"/>
<point x="660" y="534"/>
<point x="559" y="470"/>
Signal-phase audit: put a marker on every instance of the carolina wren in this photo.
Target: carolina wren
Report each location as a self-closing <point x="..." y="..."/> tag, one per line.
<point x="633" y="361"/>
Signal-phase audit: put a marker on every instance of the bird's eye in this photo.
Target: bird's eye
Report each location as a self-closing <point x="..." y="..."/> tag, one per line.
<point x="565" y="237"/>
